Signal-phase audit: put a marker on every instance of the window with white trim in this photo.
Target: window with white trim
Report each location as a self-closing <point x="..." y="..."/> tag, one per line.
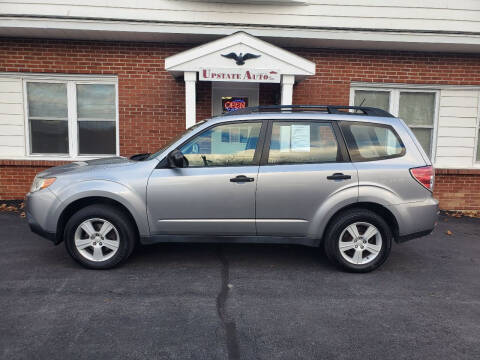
<point x="71" y="118"/>
<point x="477" y="158"/>
<point x="417" y="107"/>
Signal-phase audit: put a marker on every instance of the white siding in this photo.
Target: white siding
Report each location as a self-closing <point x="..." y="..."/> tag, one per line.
<point x="453" y="162"/>
<point x="460" y="111"/>
<point x="452" y="131"/>
<point x="457" y="128"/>
<point x="8" y="151"/>
<point x="449" y="141"/>
<point x="438" y="15"/>
<point x="12" y="125"/>
<point x="468" y="122"/>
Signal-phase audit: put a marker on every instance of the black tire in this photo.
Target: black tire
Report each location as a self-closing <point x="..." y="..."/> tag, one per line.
<point x="337" y="227"/>
<point x="117" y="218"/>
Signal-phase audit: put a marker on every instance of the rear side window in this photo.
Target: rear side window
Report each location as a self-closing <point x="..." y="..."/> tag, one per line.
<point x="302" y="142"/>
<point x="368" y="141"/>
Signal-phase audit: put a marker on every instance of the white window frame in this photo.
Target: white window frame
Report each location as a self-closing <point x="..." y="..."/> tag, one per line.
<point x="476" y="161"/>
<point x="71" y="82"/>
<point x="394" y="91"/>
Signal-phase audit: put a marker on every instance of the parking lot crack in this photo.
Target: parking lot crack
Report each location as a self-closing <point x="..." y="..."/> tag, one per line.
<point x="227" y="323"/>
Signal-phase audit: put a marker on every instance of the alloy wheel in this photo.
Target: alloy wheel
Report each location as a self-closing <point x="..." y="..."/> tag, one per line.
<point x="360" y="243"/>
<point x="97" y="239"/>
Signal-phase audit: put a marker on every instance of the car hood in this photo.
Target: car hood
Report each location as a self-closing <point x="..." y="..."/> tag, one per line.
<point x="85" y="166"/>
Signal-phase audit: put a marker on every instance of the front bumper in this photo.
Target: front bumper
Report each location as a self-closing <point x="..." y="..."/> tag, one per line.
<point x="37" y="229"/>
<point x="39" y="210"/>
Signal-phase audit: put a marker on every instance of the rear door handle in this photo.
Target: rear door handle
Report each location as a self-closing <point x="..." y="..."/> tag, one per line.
<point x="241" y="178"/>
<point x="338" y="176"/>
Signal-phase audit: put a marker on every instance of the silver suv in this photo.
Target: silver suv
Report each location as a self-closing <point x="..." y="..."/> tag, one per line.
<point x="349" y="180"/>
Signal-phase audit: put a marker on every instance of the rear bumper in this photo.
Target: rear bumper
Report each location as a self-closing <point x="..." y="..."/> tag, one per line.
<point x="415" y="219"/>
<point x="404" y="238"/>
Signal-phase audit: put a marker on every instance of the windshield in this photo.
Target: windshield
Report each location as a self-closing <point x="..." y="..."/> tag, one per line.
<point x="176" y="138"/>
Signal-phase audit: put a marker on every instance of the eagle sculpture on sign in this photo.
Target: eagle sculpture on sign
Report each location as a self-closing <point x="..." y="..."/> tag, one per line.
<point x="240" y="59"/>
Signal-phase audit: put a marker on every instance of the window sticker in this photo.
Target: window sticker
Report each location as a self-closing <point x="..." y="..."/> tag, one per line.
<point x="235" y="135"/>
<point x="285" y="138"/>
<point x="225" y="136"/>
<point x="300" y="138"/>
<point x="244" y="135"/>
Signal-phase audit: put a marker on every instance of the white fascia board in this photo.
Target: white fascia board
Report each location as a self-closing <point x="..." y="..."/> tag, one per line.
<point x="59" y="76"/>
<point x="83" y="29"/>
<point x="305" y="67"/>
<point x="359" y="84"/>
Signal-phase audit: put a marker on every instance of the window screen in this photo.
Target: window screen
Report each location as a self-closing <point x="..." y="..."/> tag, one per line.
<point x="478" y="146"/>
<point x="417" y="109"/>
<point x="48" y="117"/>
<point x="96" y="119"/>
<point x="367" y="142"/>
<point x="377" y="99"/>
<point x="299" y="142"/>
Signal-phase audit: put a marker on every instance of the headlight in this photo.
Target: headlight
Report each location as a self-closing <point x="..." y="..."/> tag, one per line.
<point x="41" y="183"/>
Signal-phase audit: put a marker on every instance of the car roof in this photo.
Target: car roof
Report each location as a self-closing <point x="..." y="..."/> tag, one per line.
<point x="317" y="112"/>
<point x="303" y="115"/>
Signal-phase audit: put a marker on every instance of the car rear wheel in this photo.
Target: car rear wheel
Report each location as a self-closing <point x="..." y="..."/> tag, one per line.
<point x="99" y="237"/>
<point x="358" y="240"/>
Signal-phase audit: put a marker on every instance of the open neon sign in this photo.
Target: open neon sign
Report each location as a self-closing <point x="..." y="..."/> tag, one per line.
<point x="234" y="103"/>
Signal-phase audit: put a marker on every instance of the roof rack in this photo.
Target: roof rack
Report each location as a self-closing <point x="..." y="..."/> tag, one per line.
<point x="330" y="109"/>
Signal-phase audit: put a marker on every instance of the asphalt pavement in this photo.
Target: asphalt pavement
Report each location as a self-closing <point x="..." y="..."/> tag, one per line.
<point x="203" y="301"/>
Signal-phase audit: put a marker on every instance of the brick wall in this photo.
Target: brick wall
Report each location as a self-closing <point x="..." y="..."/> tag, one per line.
<point x="151" y="101"/>
<point x="204" y="100"/>
<point x="458" y="189"/>
<point x="336" y="69"/>
<point x="16" y="176"/>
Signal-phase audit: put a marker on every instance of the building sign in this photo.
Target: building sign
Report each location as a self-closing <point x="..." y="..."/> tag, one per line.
<point x="239" y="74"/>
<point x="233" y="103"/>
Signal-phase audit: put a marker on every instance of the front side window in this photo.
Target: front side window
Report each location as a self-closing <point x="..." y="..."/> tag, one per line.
<point x="71" y="118"/>
<point x="368" y="142"/>
<point x="299" y="142"/>
<point x="224" y="145"/>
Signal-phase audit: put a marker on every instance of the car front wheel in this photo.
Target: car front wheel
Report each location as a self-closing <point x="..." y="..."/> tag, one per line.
<point x="358" y="240"/>
<point x="99" y="236"/>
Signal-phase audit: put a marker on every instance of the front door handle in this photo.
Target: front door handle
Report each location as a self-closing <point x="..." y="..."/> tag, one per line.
<point x="338" y="176"/>
<point x="241" y="178"/>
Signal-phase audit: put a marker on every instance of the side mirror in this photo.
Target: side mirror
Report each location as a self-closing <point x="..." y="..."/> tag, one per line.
<point x="176" y="159"/>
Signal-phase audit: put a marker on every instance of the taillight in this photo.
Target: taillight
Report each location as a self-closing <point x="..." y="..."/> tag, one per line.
<point x="425" y="175"/>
